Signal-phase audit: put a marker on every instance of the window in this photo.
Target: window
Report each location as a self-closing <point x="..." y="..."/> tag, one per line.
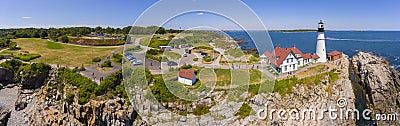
<point x="291" y="60"/>
<point x="298" y="63"/>
<point x="285" y="68"/>
<point x="287" y="60"/>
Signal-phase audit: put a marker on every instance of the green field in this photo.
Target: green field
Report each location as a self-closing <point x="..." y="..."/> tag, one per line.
<point x="235" y="52"/>
<point x="57" y="53"/>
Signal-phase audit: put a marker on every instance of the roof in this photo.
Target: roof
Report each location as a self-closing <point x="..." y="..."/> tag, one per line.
<point x="306" y="56"/>
<point x="295" y="50"/>
<point x="314" y="56"/>
<point x="188" y="74"/>
<point x="334" y="53"/>
<point x="280" y="54"/>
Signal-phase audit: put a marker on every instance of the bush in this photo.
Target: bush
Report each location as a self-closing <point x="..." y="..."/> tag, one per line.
<point x="117" y="58"/>
<point x="244" y="111"/>
<point x="70" y="98"/>
<point x="186" y="67"/>
<point x="27" y="57"/>
<point x="201" y="110"/>
<point x="85" y="85"/>
<point x="154" y="54"/>
<point x="96" y="59"/>
<point x="82" y="68"/>
<point x="106" y="64"/>
<point x="112" y="86"/>
<point x="196" y="59"/>
<point x="64" y="39"/>
<point x="207" y="59"/>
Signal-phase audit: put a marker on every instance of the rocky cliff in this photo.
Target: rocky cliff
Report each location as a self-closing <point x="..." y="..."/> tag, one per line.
<point x="381" y="83"/>
<point x="6" y="76"/>
<point x="4" y="115"/>
<point x="51" y="108"/>
<point x="45" y="104"/>
<point x="319" y="97"/>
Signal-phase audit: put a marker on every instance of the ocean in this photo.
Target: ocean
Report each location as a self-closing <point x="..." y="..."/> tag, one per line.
<point x="385" y="44"/>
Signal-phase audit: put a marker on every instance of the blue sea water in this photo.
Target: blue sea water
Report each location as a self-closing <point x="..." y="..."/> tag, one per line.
<point x="385" y="44"/>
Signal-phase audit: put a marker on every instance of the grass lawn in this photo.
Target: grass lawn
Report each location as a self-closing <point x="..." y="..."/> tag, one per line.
<point x="235" y="52"/>
<point x="145" y="41"/>
<point x="222" y="44"/>
<point x="57" y="53"/>
<point x="223" y="77"/>
<point x="172" y="55"/>
<point x="311" y="71"/>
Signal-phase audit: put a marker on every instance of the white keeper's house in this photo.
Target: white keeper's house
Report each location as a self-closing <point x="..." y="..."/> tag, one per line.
<point x="187" y="77"/>
<point x="286" y="60"/>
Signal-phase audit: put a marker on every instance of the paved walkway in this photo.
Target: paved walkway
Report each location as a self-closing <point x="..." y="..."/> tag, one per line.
<point x="3" y="50"/>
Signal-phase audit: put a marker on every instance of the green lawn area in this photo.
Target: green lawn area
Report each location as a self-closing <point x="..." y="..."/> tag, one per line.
<point x="145" y="41"/>
<point x="172" y="55"/>
<point x="54" y="45"/>
<point x="222" y="44"/>
<point x="235" y="52"/>
<point x="57" y="53"/>
<point x="154" y="42"/>
<point x="223" y="77"/>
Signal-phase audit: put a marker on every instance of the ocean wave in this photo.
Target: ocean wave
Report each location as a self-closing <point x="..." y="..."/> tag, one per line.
<point x="362" y="40"/>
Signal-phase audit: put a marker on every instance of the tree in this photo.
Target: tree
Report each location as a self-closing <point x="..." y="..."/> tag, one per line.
<point x="64" y="39"/>
<point x="161" y="30"/>
<point x="43" y="34"/>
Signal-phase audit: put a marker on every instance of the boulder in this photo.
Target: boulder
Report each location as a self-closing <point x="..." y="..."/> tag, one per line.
<point x="6" y="75"/>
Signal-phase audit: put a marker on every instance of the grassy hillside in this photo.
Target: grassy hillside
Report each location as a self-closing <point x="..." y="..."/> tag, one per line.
<point x="57" y="53"/>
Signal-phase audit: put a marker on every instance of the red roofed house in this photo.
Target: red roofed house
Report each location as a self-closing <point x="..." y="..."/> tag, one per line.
<point x="187" y="77"/>
<point x="286" y="60"/>
<point x="334" y="55"/>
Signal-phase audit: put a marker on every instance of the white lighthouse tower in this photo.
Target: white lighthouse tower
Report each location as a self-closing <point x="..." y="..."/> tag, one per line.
<point x="321" y="50"/>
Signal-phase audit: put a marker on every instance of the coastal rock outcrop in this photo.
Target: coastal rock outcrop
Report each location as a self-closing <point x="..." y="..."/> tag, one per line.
<point x="381" y="83"/>
<point x="6" y="75"/>
<point x="318" y="97"/>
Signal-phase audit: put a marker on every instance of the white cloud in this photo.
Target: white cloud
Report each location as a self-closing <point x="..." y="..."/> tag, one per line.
<point x="200" y="13"/>
<point x="26" y="17"/>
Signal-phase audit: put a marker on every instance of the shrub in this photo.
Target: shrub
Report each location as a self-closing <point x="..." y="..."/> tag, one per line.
<point x="106" y="64"/>
<point x="186" y="67"/>
<point x="27" y="57"/>
<point x="96" y="59"/>
<point x="64" y="39"/>
<point x="244" y="111"/>
<point x="201" y="110"/>
<point x="196" y="59"/>
<point x="70" y="98"/>
<point x="207" y="59"/>
<point x="82" y="68"/>
<point x="85" y="85"/>
<point x="117" y="58"/>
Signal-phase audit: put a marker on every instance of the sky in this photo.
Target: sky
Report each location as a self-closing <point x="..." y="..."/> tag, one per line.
<point x="274" y="14"/>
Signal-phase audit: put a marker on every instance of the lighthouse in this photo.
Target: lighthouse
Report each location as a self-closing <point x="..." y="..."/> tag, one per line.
<point x="321" y="50"/>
